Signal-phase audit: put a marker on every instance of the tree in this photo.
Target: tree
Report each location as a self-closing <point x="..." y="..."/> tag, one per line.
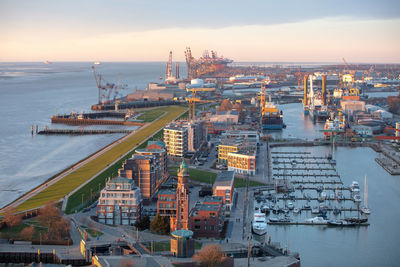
<point x="160" y="224"/>
<point x="57" y="226"/>
<point x="27" y="233"/>
<point x="143" y="223"/>
<point x="210" y="256"/>
<point x="11" y="218"/>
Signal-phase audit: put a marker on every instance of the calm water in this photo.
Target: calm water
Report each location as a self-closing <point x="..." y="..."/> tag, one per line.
<point x="31" y="93"/>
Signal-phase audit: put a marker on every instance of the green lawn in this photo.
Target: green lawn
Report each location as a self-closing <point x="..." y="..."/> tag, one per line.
<point x="73" y="180"/>
<point x="166" y="245"/>
<point x="150" y="115"/>
<point x="92" y="232"/>
<point x="209" y="177"/>
<point x="14" y="232"/>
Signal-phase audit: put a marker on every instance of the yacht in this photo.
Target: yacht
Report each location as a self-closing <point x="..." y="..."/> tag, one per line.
<point x="340" y="223"/>
<point x="315" y="210"/>
<point x="307" y="206"/>
<point x="316" y="220"/>
<point x="259" y="224"/>
<point x="296" y="210"/>
<point x="354" y="186"/>
<point x="290" y="205"/>
<point x="357" y="198"/>
<point x="365" y="208"/>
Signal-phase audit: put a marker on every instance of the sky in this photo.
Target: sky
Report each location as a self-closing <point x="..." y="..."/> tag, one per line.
<point x="251" y="30"/>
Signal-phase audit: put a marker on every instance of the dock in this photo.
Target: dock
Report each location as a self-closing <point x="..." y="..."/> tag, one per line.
<point x="80" y="132"/>
<point x="77" y="121"/>
<point x="314" y="224"/>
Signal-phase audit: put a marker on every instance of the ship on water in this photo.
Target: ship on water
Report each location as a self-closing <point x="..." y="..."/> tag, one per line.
<point x="334" y="127"/>
<point x="318" y="108"/>
<point x="271" y="117"/>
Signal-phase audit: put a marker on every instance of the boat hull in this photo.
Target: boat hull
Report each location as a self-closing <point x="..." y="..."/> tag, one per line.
<point x="259" y="230"/>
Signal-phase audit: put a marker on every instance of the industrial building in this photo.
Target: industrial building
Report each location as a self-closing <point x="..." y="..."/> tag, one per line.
<point x="120" y="202"/>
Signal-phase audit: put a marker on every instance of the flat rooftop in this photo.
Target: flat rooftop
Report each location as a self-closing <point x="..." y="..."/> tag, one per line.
<point x="224" y="178"/>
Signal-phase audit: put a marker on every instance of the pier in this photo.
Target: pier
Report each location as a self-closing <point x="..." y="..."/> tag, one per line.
<point x="77" y="121"/>
<point x="314" y="224"/>
<point x="80" y="132"/>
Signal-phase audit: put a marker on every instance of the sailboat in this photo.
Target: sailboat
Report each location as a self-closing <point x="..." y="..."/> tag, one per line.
<point x="365" y="208"/>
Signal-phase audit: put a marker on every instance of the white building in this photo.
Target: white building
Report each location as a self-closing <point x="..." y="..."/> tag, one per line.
<point x="120" y="202"/>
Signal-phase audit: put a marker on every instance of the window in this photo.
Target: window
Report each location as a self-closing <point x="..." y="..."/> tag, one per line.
<point x="196" y="220"/>
<point x="212" y="228"/>
<point x="205" y="221"/>
<point x="205" y="228"/>
<point x="197" y="227"/>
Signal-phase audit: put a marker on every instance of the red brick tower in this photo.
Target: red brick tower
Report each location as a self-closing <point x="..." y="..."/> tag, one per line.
<point x="181" y="220"/>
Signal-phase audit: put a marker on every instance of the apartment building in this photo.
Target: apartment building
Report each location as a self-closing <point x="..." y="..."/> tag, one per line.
<point x="120" y="202"/>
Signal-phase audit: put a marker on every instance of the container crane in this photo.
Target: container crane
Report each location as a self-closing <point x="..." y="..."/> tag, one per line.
<point x="193" y="99"/>
<point x="105" y="89"/>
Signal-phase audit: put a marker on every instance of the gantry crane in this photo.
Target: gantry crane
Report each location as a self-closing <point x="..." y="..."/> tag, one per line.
<point x="193" y="99"/>
<point x="106" y="89"/>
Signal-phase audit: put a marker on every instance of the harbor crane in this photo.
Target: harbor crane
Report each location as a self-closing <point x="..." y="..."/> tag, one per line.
<point x="193" y="99"/>
<point x="106" y="89"/>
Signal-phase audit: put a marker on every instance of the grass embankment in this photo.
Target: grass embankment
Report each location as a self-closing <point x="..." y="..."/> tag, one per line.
<point x="81" y="175"/>
<point x="14" y="232"/>
<point x="166" y="245"/>
<point x="209" y="177"/>
<point x="92" y="232"/>
<point x="150" y="115"/>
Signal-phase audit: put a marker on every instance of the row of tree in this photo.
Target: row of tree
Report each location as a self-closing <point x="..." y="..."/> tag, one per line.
<point x="160" y="224"/>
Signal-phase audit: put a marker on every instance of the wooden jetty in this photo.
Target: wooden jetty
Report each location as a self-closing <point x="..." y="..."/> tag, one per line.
<point x="307" y="175"/>
<point x="80" y="132"/>
<point x="299" y="157"/>
<point x="304" y="168"/>
<point x="314" y="224"/>
<point x="76" y="121"/>
<point x="291" y="152"/>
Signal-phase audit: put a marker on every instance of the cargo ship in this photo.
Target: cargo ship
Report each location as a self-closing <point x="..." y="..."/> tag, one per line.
<point x="334" y="126"/>
<point x="272" y="119"/>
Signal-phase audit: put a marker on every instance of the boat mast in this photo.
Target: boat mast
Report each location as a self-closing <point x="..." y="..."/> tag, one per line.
<point x="365" y="192"/>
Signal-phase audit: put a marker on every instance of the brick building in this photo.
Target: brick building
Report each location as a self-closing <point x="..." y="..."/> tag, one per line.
<point x="166" y="203"/>
<point x="207" y="220"/>
<point x="120" y="202"/>
<point x="141" y="169"/>
<point x="224" y="187"/>
<point x="181" y="219"/>
<point x="176" y="140"/>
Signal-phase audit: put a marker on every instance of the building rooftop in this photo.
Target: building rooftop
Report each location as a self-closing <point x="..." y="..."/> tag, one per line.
<point x="158" y="143"/>
<point x="146" y="150"/>
<point x="121" y="180"/>
<point x="166" y="192"/>
<point x="212" y="199"/>
<point x="182" y="233"/>
<point x="224" y="178"/>
<point x="208" y="207"/>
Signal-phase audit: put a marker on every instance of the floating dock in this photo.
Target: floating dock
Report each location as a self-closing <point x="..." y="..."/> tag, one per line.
<point x="77" y="121"/>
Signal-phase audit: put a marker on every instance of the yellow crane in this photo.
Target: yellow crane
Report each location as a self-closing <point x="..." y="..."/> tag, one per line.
<point x="193" y="99"/>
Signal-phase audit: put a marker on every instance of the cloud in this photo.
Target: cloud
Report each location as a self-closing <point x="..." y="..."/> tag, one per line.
<point x="316" y="40"/>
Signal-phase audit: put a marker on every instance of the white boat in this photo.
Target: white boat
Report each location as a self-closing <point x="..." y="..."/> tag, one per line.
<point x="357" y="198"/>
<point x="296" y="210"/>
<point x="332" y="196"/>
<point x="316" y="220"/>
<point x="365" y="208"/>
<point x="290" y="205"/>
<point x="354" y="186"/>
<point x="314" y="210"/>
<point x="259" y="224"/>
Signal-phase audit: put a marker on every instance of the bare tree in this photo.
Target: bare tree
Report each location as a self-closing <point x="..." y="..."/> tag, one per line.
<point x="11" y="218"/>
<point x="27" y="233"/>
<point x="210" y="256"/>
